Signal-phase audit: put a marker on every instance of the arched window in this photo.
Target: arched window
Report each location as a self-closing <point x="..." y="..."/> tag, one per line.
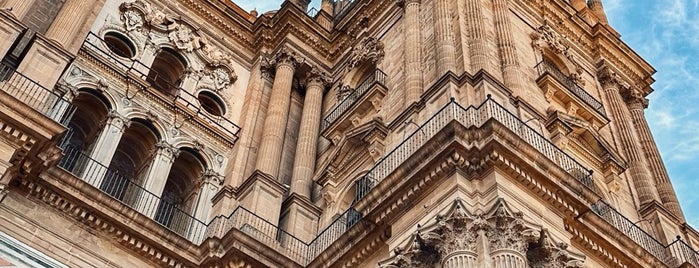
<point x="91" y="110"/>
<point x="120" y="44"/>
<point x="167" y="71"/>
<point x="211" y="103"/>
<point x="85" y="126"/>
<point x="180" y="191"/>
<point x="132" y="156"/>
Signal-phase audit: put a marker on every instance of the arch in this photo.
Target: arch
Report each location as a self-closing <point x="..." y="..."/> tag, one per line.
<point x="84" y="127"/>
<point x="181" y="189"/>
<point x="167" y="71"/>
<point x="153" y="122"/>
<point x="133" y="152"/>
<point x="182" y="141"/>
<point x="563" y="64"/>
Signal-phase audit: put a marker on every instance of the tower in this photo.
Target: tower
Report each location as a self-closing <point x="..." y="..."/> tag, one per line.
<point x="412" y="133"/>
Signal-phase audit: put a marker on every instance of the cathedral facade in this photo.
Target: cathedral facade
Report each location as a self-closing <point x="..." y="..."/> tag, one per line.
<point x="365" y="133"/>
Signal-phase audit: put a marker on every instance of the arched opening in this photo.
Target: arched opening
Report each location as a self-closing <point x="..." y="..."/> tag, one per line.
<point x="131" y="158"/>
<point x="120" y="44"/>
<point x="84" y="127"/>
<point x="211" y="103"/>
<point x="181" y="189"/>
<point x="167" y="71"/>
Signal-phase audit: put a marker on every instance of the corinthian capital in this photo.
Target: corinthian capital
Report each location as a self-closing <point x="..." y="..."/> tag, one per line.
<point x="610" y="79"/>
<point x="634" y="98"/>
<point x="316" y="76"/>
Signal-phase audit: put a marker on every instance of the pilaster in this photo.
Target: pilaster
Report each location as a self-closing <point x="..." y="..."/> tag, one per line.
<point x="72" y="22"/>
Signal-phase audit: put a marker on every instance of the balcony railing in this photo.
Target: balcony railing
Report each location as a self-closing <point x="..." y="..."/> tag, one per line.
<point x="471" y="116"/>
<point x="36" y="96"/>
<point x="348" y="102"/>
<point x="673" y="255"/>
<point x="262" y="230"/>
<point x="181" y="102"/>
<point x="332" y="232"/>
<point x="131" y="194"/>
<point x="547" y="67"/>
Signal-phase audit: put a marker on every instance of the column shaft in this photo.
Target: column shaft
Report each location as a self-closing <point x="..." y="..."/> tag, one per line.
<point x="655" y="162"/>
<point x="508" y="259"/>
<point x="108" y="140"/>
<point x="508" y="53"/>
<point x="444" y="36"/>
<point x="19" y="7"/>
<point x="461" y="259"/>
<point x="70" y="21"/>
<point x="629" y="144"/>
<point x="305" y="159"/>
<point x="478" y="46"/>
<point x="412" y="46"/>
<point x="275" y="123"/>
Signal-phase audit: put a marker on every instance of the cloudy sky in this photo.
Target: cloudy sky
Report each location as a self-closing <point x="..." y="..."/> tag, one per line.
<point x="666" y="34"/>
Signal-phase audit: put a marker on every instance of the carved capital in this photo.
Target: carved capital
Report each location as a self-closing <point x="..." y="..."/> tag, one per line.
<point x="117" y="120"/>
<point x="634" y="99"/>
<point x="546" y="37"/>
<point x="610" y="80"/>
<point x="507" y="230"/>
<point x="167" y="150"/>
<point x="317" y="77"/>
<point x="286" y="57"/>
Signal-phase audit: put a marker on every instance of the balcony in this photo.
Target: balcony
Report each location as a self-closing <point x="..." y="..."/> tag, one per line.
<point x="356" y="100"/>
<point x="675" y="254"/>
<point x="183" y="103"/>
<point x="131" y="194"/>
<point x="472" y="116"/>
<point x="34" y="95"/>
<point x="573" y="92"/>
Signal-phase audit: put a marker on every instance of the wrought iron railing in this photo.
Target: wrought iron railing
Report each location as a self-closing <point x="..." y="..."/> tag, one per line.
<point x="264" y="231"/>
<point x="673" y="255"/>
<point x="632" y="231"/>
<point x="348" y="102"/>
<point x="332" y="232"/>
<point x="683" y="253"/>
<point x="471" y="116"/>
<point x="181" y="97"/>
<point x="547" y="67"/>
<point x="31" y="93"/>
<point x="131" y="194"/>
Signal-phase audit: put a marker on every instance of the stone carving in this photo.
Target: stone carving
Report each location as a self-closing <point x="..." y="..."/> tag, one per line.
<point x="544" y="253"/>
<point x="506" y="230"/>
<point x="458" y="233"/>
<point x="545" y="36"/>
<point x="133" y="21"/>
<point x="285" y="56"/>
<point x="317" y="76"/>
<point x="369" y="49"/>
<point x="221" y="78"/>
<point x="184" y="39"/>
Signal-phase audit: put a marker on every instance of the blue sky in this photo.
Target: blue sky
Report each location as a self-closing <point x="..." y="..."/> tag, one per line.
<point x="666" y="34"/>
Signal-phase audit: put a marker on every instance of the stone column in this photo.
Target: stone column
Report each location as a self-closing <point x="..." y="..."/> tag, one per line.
<point x="19" y="7"/>
<point x="305" y="159"/>
<point x="444" y="37"/>
<point x="72" y="20"/>
<point x="270" y="153"/>
<point x="156" y="177"/>
<point x="477" y="42"/>
<point x="628" y="141"/>
<point x="106" y="144"/>
<point x="460" y="259"/>
<point x="103" y="151"/>
<point x="636" y="103"/>
<point x="412" y="46"/>
<point x="209" y="186"/>
<point x="512" y="77"/>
